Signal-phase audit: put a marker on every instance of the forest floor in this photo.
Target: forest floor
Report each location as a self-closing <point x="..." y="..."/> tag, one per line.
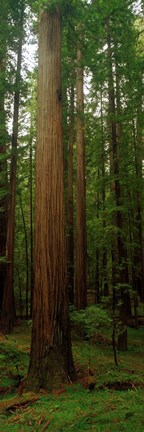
<point x="105" y="398"/>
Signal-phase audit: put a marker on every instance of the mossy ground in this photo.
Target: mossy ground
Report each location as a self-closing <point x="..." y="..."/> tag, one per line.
<point x="91" y="404"/>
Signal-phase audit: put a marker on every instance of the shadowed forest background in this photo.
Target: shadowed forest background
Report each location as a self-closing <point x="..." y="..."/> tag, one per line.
<point x="71" y="215"/>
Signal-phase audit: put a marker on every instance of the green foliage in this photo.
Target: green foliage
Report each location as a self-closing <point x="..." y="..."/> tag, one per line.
<point x="93" y="319"/>
<point x="75" y="407"/>
<point x="11" y="355"/>
<point x="48" y="5"/>
<point x="3" y="260"/>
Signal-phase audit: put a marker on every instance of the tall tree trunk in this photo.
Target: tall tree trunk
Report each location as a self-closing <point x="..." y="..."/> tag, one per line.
<point x="20" y="292"/>
<point x="51" y="356"/>
<point x="31" y="211"/>
<point x="26" y="256"/>
<point x="97" y="278"/>
<point x="104" y="255"/>
<point x="70" y="199"/>
<point x="120" y="272"/>
<point x="122" y="170"/>
<point x="98" y="287"/>
<point x="3" y="153"/>
<point x="8" y="311"/>
<point x="138" y="142"/>
<point x="81" y="253"/>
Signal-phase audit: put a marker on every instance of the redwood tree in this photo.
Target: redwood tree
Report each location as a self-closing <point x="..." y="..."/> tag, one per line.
<point x="70" y="242"/>
<point x="80" y="276"/>
<point x="51" y="355"/>
<point x="8" y="313"/>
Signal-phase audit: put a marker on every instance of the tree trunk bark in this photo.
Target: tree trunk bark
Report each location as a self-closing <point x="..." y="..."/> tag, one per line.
<point x="26" y="257"/>
<point x="139" y="255"/>
<point x="8" y="310"/>
<point x="81" y="254"/>
<point x="70" y="200"/>
<point x="122" y="174"/>
<point x="51" y="355"/>
<point x="104" y="254"/>
<point x="31" y="211"/>
<point x="97" y="278"/>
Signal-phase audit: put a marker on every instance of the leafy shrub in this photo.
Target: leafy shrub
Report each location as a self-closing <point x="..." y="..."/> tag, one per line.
<point x="92" y="319"/>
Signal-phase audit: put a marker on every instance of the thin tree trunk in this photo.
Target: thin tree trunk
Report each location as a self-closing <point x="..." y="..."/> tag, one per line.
<point x="26" y="256"/>
<point x="51" y="355"/>
<point x="97" y="278"/>
<point x="20" y="292"/>
<point x="81" y="254"/>
<point x="98" y="292"/>
<point x="31" y="213"/>
<point x="3" y="155"/>
<point x="119" y="130"/>
<point x="104" y="255"/>
<point x="120" y="272"/>
<point x="131" y="260"/>
<point x="138" y="234"/>
<point x="8" y="310"/>
<point x="138" y="169"/>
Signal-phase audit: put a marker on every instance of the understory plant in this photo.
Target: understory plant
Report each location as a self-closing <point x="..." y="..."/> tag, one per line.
<point x="93" y="320"/>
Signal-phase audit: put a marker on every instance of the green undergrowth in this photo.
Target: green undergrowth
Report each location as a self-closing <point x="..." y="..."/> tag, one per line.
<point x="105" y="398"/>
<point x="14" y="358"/>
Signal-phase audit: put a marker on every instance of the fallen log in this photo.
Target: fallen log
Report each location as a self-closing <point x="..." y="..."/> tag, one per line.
<point x="16" y="403"/>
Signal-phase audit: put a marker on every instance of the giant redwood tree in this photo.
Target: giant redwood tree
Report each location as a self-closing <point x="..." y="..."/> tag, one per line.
<point x="51" y="355"/>
<point x="80" y="272"/>
<point x="70" y="246"/>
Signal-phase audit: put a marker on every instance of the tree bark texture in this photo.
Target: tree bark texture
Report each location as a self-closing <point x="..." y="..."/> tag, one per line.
<point x="81" y="254"/>
<point x="70" y="202"/>
<point x="51" y="355"/>
<point x="26" y="255"/>
<point x="31" y="210"/>
<point x="8" y="312"/>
